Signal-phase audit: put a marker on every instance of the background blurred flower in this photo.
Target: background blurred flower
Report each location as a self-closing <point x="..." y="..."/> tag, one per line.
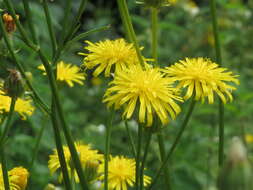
<point x="203" y="78"/>
<point x="121" y="173"/>
<point x="68" y="73"/>
<point x="146" y="88"/>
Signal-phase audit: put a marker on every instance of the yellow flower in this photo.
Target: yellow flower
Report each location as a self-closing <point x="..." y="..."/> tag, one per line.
<point x="17" y="178"/>
<point x="23" y="106"/>
<point x="19" y="175"/>
<point x="249" y="138"/>
<point x="86" y="156"/>
<point x="109" y="53"/>
<point x="203" y="78"/>
<point x="121" y="173"/>
<point x="149" y="89"/>
<point x="68" y="73"/>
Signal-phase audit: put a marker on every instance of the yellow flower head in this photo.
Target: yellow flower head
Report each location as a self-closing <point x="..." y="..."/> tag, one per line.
<point x="249" y="138"/>
<point x="109" y="53"/>
<point x="149" y="89"/>
<point x="203" y="78"/>
<point x="19" y="175"/>
<point x="17" y="178"/>
<point x="23" y="106"/>
<point x="121" y="173"/>
<point x="67" y="73"/>
<point x="86" y="155"/>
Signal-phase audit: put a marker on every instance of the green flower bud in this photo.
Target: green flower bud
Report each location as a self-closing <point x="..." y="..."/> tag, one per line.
<point x="90" y="170"/>
<point x="157" y="3"/>
<point x="237" y="172"/>
<point x="13" y="84"/>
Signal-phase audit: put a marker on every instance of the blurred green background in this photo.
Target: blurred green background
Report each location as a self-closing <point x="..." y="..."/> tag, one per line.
<point x="185" y="30"/>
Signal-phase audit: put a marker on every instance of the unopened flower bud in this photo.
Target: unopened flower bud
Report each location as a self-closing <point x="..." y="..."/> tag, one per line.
<point x="158" y="3"/>
<point x="90" y="170"/>
<point x="9" y="22"/>
<point x="13" y="84"/>
<point x="237" y="172"/>
<point x="50" y="187"/>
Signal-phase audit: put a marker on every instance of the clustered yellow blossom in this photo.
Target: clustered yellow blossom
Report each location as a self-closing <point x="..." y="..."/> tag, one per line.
<point x="203" y="78"/>
<point x="67" y="73"/>
<point x="148" y="89"/>
<point x="23" y="106"/>
<point x="17" y="178"/>
<point x="86" y="156"/>
<point x="109" y="56"/>
<point x="121" y="173"/>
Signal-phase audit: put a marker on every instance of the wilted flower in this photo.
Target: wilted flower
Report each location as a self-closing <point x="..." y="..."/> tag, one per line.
<point x="10" y="25"/>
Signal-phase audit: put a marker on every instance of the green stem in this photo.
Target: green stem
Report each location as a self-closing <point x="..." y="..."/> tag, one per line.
<point x="176" y="142"/>
<point x="131" y="139"/>
<point x="36" y="96"/>
<point x="4" y="135"/>
<point x="162" y="154"/>
<point x="72" y="29"/>
<point x="59" y="147"/>
<point x="148" y="140"/>
<point x="30" y="22"/>
<point x="8" y="122"/>
<point x="69" y="139"/>
<point x="107" y="149"/>
<point x="67" y="11"/>
<point x="37" y="143"/>
<point x="50" y="27"/>
<point x="4" y="169"/>
<point x="138" y="157"/>
<point x="128" y="24"/>
<point x="219" y="61"/>
<point x="154" y="27"/>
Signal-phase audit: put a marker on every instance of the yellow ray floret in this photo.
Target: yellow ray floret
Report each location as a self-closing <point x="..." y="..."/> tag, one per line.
<point x="203" y="78"/>
<point x="121" y="173"/>
<point x="109" y="56"/>
<point x="148" y="89"/>
<point x="17" y="178"/>
<point x="23" y="106"/>
<point x="68" y="73"/>
<point x="86" y="155"/>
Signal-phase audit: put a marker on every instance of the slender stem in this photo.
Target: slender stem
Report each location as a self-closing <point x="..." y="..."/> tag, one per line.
<point x="4" y="169"/>
<point x="4" y="135"/>
<point x="131" y="139"/>
<point x="154" y="27"/>
<point x="138" y="157"/>
<point x="107" y="149"/>
<point x="72" y="29"/>
<point x="148" y="140"/>
<point x="69" y="139"/>
<point x="176" y="142"/>
<point x="29" y="18"/>
<point x="50" y="27"/>
<point x="162" y="154"/>
<point x="8" y="122"/>
<point x="59" y="148"/>
<point x="128" y="24"/>
<point x="67" y="11"/>
<point x="36" y="96"/>
<point x="219" y="61"/>
<point x="37" y="143"/>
